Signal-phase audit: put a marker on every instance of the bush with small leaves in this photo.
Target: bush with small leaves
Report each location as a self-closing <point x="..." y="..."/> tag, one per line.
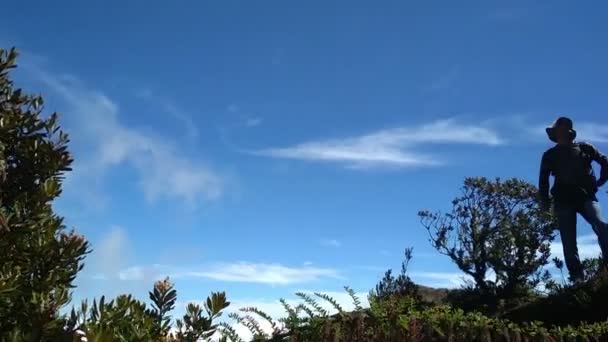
<point x="400" y="319"/>
<point x="496" y="227"/>
<point x="400" y="286"/>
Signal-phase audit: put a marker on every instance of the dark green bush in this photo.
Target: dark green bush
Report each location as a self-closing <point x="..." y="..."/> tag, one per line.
<point x="400" y="319"/>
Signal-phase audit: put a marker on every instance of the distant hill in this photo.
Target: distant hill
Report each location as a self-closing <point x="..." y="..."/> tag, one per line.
<point x="433" y="295"/>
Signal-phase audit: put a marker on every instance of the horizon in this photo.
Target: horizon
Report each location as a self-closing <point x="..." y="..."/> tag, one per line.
<point x="268" y="148"/>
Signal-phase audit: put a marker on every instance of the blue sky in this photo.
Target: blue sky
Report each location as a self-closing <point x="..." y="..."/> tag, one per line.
<point x="266" y="147"/>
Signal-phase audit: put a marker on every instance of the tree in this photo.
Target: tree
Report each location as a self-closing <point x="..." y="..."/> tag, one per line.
<point x="495" y="227"/>
<point x="39" y="258"/>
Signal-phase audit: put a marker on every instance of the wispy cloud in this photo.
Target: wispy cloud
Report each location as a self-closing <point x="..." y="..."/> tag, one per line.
<point x="592" y="132"/>
<point x="164" y="171"/>
<point x="588" y="247"/>
<point x="246" y="119"/>
<point x="331" y="243"/>
<point x="440" y="279"/>
<point x="169" y="107"/>
<point x="272" y="274"/>
<point x="111" y="252"/>
<point x="390" y="147"/>
<point x="253" y="121"/>
<point x="240" y="272"/>
<point x="445" y="81"/>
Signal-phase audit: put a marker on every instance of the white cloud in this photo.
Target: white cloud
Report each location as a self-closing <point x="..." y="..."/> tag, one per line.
<point x="164" y="171"/>
<point x="588" y="247"/>
<point x="592" y="132"/>
<point x="331" y="243"/>
<point x="131" y="273"/>
<point x="273" y="274"/>
<point x="170" y="108"/>
<point x="243" y="272"/>
<point x="247" y="119"/>
<point x="585" y="131"/>
<point x="111" y="252"/>
<point x="440" y="279"/>
<point x="253" y="121"/>
<point x="390" y="147"/>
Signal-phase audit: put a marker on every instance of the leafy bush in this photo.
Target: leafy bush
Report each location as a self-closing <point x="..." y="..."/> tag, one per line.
<point x="495" y="228"/>
<point x="400" y="286"/>
<point x="400" y="319"/>
<point x="40" y="259"/>
<point x="127" y="319"/>
<point x="568" y="304"/>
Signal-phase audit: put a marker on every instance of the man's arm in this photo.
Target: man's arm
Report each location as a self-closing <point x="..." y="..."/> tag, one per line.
<point x="543" y="179"/>
<point x="601" y="159"/>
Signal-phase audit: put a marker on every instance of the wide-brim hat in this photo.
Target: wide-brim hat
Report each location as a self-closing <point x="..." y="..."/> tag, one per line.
<point x="562" y="121"/>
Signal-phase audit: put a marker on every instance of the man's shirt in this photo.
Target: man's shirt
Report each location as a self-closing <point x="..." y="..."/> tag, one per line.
<point x="571" y="166"/>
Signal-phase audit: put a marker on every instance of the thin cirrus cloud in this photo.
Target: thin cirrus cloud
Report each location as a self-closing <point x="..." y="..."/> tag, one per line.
<point x="441" y="279"/>
<point x="391" y="147"/>
<point x="331" y="243"/>
<point x="169" y="107"/>
<point x="593" y="132"/>
<point x="239" y="272"/>
<point x="164" y="172"/>
<point x="588" y="247"/>
<point x="271" y="274"/>
<point x="585" y="131"/>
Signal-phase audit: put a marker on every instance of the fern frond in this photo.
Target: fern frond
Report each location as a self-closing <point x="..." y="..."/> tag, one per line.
<point x="306" y="309"/>
<point x="330" y="300"/>
<point x="249" y="322"/>
<point x="354" y="298"/>
<point x="229" y="332"/>
<point x="288" y="309"/>
<point x="313" y="303"/>
<point x="253" y="325"/>
<point x="236" y="317"/>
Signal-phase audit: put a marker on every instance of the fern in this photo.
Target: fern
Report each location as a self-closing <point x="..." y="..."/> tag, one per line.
<point x="249" y="322"/>
<point x="290" y="311"/>
<point x="331" y="301"/>
<point x="262" y="314"/>
<point x="228" y="332"/>
<point x="354" y="298"/>
<point x="254" y="326"/>
<point x="306" y="309"/>
<point x="313" y="303"/>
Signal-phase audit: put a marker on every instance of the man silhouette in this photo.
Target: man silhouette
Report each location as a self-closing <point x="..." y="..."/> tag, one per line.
<point x="574" y="190"/>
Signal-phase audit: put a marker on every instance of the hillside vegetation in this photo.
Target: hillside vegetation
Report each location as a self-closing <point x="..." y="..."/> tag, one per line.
<point x="496" y="234"/>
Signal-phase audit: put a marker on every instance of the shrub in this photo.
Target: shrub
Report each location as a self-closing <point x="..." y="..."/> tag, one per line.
<point x="400" y="319"/>
<point x="400" y="286"/>
<point x="495" y="228"/>
<point x="40" y="259"/>
<point x="128" y="319"/>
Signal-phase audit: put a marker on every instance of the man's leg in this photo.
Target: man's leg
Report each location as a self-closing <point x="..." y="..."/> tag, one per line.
<point x="592" y="214"/>
<point x="566" y="222"/>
